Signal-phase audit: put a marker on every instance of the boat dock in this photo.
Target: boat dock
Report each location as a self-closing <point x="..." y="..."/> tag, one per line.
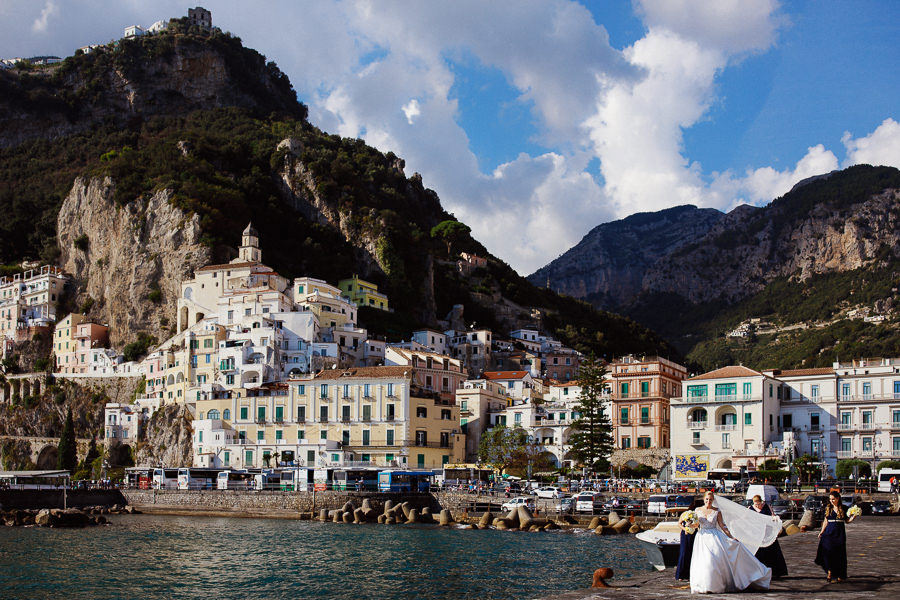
<point x="873" y="568"/>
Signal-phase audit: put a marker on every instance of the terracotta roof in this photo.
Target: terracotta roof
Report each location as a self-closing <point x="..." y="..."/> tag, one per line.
<point x="505" y="374"/>
<point x="426" y="353"/>
<point x="240" y="265"/>
<point x="802" y="372"/>
<point x="566" y="384"/>
<point x="725" y="372"/>
<point x="363" y="373"/>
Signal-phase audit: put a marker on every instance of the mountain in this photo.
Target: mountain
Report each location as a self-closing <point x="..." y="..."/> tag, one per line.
<point x="608" y="265"/>
<point x="143" y="160"/>
<point x="810" y="265"/>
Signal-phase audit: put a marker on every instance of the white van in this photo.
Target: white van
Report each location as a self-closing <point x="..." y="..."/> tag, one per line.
<point x="769" y="493"/>
<point x="884" y="479"/>
<point x="588" y="502"/>
<point x="656" y="504"/>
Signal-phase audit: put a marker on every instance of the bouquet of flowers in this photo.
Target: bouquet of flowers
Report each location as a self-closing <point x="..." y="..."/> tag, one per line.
<point x="689" y="521"/>
<point x="854" y="511"/>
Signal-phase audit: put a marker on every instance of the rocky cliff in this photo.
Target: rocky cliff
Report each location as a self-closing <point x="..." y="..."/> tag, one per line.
<point x="170" y="439"/>
<point x="129" y="260"/>
<point x="844" y="222"/>
<point x="608" y="265"/>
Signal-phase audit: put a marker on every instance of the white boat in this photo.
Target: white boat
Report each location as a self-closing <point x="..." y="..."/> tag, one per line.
<point x="662" y="544"/>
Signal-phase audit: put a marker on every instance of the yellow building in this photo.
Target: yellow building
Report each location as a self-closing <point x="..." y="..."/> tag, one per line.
<point x="64" y="342"/>
<point x="203" y="350"/>
<point x="353" y="417"/>
<point x="363" y="293"/>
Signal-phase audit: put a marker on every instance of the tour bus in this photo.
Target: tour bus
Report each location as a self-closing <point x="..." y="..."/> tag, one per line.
<point x="404" y="481"/>
<point x="234" y="480"/>
<point x="138" y="478"/>
<point x="731" y="477"/>
<point x="278" y="479"/>
<point x="465" y="474"/>
<point x="349" y="479"/>
<point x="884" y="479"/>
<point x="197" y="479"/>
<point x="165" y="479"/>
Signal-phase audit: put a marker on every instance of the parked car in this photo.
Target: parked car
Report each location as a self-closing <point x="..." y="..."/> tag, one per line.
<point x="549" y="492"/>
<point x="656" y="505"/>
<point x="678" y="504"/>
<point x="517" y="502"/>
<point x="881" y="507"/>
<point x="783" y="508"/>
<point x="588" y="502"/>
<point x="635" y="506"/>
<point x="615" y="503"/>
<point x="816" y="504"/>
<point x="566" y="505"/>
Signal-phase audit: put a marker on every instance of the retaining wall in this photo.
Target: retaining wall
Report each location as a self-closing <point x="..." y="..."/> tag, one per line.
<point x="23" y="499"/>
<point x="265" y="503"/>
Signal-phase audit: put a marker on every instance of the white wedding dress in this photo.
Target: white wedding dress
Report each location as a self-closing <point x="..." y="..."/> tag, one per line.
<point x="721" y="564"/>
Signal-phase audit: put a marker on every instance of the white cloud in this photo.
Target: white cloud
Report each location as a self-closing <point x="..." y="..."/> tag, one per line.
<point x="40" y="23"/>
<point x="881" y="147"/>
<point x="411" y="110"/>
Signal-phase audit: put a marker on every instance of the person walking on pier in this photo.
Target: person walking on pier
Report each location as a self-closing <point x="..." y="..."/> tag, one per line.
<point x="832" y="552"/>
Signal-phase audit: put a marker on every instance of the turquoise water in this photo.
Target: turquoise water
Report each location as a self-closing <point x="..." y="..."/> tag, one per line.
<point x="144" y="556"/>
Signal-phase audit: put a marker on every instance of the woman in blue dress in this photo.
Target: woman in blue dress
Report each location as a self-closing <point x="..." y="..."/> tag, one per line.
<point x="832" y="553"/>
<point x="683" y="569"/>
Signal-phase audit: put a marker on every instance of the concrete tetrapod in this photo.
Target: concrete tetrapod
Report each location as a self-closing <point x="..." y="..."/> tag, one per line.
<point x="323" y="514"/>
<point x="348" y="517"/>
<point x="485" y="521"/>
<point x="366" y="505"/>
<point x="359" y="516"/>
<point x="445" y="517"/>
<point x="806" y="521"/>
<point x="621" y="526"/>
<point x="382" y="519"/>
<point x="413" y="516"/>
<point x="388" y="505"/>
<point x="613" y="518"/>
<point x="525" y="517"/>
<point x="595" y="523"/>
<point x="406" y="507"/>
<point x="512" y="518"/>
<point x="338" y="517"/>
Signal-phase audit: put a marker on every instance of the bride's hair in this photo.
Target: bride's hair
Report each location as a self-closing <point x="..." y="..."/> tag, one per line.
<point x="840" y="509"/>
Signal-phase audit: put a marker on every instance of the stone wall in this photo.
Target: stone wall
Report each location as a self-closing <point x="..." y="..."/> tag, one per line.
<point x="23" y="499"/>
<point x="276" y="503"/>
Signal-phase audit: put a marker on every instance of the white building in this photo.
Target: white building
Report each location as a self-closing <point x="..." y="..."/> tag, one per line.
<point x="428" y="339"/>
<point x="121" y="422"/>
<point x="133" y="31"/>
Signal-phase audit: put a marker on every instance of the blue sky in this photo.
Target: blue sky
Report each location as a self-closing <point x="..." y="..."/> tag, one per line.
<point x="536" y="120"/>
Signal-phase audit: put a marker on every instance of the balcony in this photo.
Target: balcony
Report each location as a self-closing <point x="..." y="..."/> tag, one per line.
<point x="895" y="426"/>
<point x="323" y="419"/>
<point x="366" y="418"/>
<point x="696" y="424"/>
<point x="845" y="427"/>
<point x="389" y="418"/>
<point x="729" y="399"/>
<point x="844" y="453"/>
<point x="345" y="419"/>
<point x="260" y="420"/>
<point x="727" y="427"/>
<point x="301" y="419"/>
<point x="867" y="427"/>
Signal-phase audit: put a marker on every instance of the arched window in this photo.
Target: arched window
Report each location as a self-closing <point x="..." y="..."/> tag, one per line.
<point x="698" y="414"/>
<point x="226" y="414"/>
<point x="213" y="414"/>
<point x="199" y="416"/>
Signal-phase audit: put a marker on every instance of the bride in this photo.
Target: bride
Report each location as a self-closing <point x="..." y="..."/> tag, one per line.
<point x="723" y="558"/>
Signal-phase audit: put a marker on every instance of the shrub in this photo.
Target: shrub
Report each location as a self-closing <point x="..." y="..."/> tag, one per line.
<point x="82" y="242"/>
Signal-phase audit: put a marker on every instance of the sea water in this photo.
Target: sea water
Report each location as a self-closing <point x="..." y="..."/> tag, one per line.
<point x="143" y="556"/>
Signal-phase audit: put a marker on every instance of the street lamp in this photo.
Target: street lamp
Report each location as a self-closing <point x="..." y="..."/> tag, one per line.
<point x="875" y="444"/>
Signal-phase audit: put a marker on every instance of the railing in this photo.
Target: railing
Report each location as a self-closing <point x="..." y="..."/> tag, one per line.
<point x="715" y="399"/>
<point x="696" y="424"/>
<point x="845" y="427"/>
<point x="895" y="425"/>
<point x="867" y="426"/>
<point x="845" y="453"/>
<point x="726" y="427"/>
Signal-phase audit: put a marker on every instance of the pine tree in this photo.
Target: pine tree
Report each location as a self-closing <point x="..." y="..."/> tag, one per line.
<point x="67" y="453"/>
<point x="592" y="441"/>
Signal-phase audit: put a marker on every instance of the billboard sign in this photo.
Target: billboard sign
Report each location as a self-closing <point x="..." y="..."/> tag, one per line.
<point x="691" y="466"/>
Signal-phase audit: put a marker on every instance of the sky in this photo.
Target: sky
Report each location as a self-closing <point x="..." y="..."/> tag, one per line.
<point x="535" y="121"/>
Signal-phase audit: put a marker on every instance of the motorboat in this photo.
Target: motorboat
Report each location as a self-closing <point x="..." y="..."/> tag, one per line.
<point x="662" y="544"/>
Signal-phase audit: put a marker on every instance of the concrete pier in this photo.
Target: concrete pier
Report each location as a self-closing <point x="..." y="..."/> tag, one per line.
<point x="873" y="566"/>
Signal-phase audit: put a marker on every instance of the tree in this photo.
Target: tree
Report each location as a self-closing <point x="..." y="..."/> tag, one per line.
<point x="67" y="453"/>
<point x="450" y="231"/>
<point x="844" y="468"/>
<point x="592" y="441"/>
<point x="888" y="464"/>
<point x="805" y="467"/>
<point x="502" y="447"/>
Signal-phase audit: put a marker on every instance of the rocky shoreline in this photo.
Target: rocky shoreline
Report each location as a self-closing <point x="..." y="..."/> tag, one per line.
<point x="63" y="517"/>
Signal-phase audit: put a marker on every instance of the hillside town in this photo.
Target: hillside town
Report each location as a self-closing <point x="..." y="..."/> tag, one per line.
<point x="278" y="372"/>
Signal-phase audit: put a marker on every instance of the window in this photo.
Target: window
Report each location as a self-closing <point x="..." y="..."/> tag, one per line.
<point x="446" y="414"/>
<point x="208" y="343"/>
<point x="278" y="434"/>
<point x="624" y="388"/>
<point x="226" y="460"/>
<point x="464" y="425"/>
<point x="346" y="393"/>
<point x="260" y="435"/>
<point x="895" y="443"/>
<point x="213" y="414"/>
<point x="365" y="437"/>
<point x="345" y="413"/>
<point x="421" y="438"/>
<point x="389" y="437"/>
<point x="895" y="417"/>
<point x="390" y="412"/>
<point x="643" y="442"/>
<point x="626" y="443"/>
<point x="301" y="435"/>
<point x="323" y="413"/>
<point x="623" y="416"/>
<point x="726" y="440"/>
<point x="867" y="418"/>
<point x="421" y="412"/>
<point x="367" y="390"/>
<point x="696" y="438"/>
<point x="248" y="457"/>
<point x="260" y="413"/>
<point x="814" y="393"/>
<point x="696" y="391"/>
<point x="726" y="389"/>
<point x="814" y="422"/>
<point x="445" y="439"/>
<point x="323" y="390"/>
<point x="199" y="436"/>
<point x="748" y="419"/>
<point x="301" y="414"/>
<point x="845" y="389"/>
<point x="518" y="418"/>
<point x="279" y="414"/>
<point x="867" y="444"/>
<point x="867" y="390"/>
<point x="367" y="412"/>
<point x="229" y="380"/>
<point x="420" y="460"/>
<point x="645" y="389"/>
<point x="310" y="457"/>
<point x="846" y="444"/>
<point x="323" y="435"/>
<point x="245" y="413"/>
<point x="301" y="390"/>
<point x="226" y="414"/>
<point x="788" y="421"/>
<point x="390" y="390"/>
<point x="747" y="387"/>
<point x="815" y="446"/>
<point x="645" y="417"/>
